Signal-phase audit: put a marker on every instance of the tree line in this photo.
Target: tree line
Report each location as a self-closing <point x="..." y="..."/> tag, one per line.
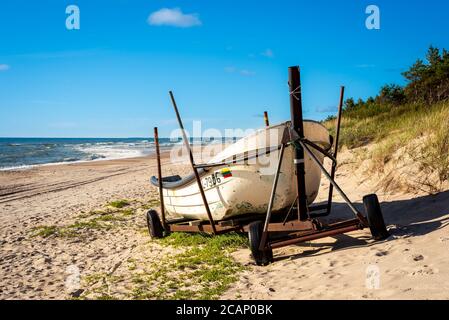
<point x="426" y="82"/>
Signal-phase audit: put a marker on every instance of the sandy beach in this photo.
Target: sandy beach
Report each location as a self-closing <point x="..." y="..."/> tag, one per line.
<point x="411" y="264"/>
<point x="36" y="268"/>
<point x="273" y="103"/>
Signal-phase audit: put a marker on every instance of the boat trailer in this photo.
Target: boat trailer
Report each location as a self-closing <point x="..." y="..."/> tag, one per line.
<point x="270" y="232"/>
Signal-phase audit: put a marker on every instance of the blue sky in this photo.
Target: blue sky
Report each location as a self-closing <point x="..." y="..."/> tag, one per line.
<point x="226" y="61"/>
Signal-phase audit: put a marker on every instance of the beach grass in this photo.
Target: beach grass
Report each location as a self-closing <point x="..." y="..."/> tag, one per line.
<point x="151" y="204"/>
<point x="119" y="204"/>
<point x="127" y="212"/>
<point x="203" y="270"/>
<point x="46" y="231"/>
<point x="195" y="266"/>
<point x="94" y="220"/>
<point x="392" y="127"/>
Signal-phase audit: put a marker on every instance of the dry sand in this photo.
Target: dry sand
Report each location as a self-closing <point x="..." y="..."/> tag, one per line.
<point x="33" y="267"/>
<point x="411" y="264"/>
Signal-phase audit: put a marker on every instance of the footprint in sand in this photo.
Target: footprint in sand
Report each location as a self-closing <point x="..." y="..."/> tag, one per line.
<point x="381" y="253"/>
<point x="418" y="257"/>
<point x="332" y="263"/>
<point x="425" y="271"/>
<point x="334" y="276"/>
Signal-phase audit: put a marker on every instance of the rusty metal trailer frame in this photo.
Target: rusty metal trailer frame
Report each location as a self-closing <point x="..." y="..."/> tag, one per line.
<point x="307" y="224"/>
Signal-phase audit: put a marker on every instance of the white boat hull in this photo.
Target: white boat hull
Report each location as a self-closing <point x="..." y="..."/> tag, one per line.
<point x="245" y="187"/>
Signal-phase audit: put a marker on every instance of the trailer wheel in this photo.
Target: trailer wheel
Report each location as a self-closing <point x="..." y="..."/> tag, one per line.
<point x="375" y="218"/>
<point x="154" y="225"/>
<point x="262" y="258"/>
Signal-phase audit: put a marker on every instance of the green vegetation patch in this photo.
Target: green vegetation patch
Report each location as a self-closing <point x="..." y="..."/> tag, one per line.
<point x="397" y="127"/>
<point x="153" y="203"/>
<point x="204" y="270"/>
<point x="194" y="266"/>
<point x="414" y="117"/>
<point x="127" y="212"/>
<point x="119" y="204"/>
<point x="46" y="231"/>
<point x="95" y="220"/>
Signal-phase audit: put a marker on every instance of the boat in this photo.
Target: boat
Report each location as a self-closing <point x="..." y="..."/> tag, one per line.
<point x="238" y="180"/>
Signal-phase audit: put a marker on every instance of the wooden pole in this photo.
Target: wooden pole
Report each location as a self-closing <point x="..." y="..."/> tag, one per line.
<point x="192" y="163"/>
<point x="265" y="116"/>
<point x="159" y="172"/>
<point x="294" y="81"/>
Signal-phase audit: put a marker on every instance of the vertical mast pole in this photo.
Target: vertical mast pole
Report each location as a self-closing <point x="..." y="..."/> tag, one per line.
<point x="294" y="81"/>
<point x="265" y="116"/>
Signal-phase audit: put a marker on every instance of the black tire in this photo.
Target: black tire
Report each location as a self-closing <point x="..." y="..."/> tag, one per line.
<point x="262" y="258"/>
<point x="375" y="218"/>
<point x="154" y="225"/>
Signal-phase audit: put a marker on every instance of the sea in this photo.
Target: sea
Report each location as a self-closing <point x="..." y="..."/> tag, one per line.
<point x="22" y="153"/>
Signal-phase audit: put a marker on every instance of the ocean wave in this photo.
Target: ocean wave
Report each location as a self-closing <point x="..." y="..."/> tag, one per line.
<point x="18" y="155"/>
<point x="112" y="152"/>
<point x="96" y="157"/>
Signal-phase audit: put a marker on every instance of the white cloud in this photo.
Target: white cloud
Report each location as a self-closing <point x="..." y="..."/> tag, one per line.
<point x="173" y="17"/>
<point x="4" y="67"/>
<point x="246" y="72"/>
<point x="243" y="72"/>
<point x="268" y="53"/>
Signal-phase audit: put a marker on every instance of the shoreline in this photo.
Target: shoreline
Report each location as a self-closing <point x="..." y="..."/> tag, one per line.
<point x="68" y="163"/>
<point x="33" y="166"/>
<point x="163" y="149"/>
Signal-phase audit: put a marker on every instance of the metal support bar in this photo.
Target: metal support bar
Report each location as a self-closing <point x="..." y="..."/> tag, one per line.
<point x="315" y="235"/>
<point x="159" y="173"/>
<point x="345" y="223"/>
<point x="298" y="226"/>
<point x="265" y="116"/>
<point x="321" y="150"/>
<point x="294" y="81"/>
<point x="206" y="228"/>
<point x="263" y="240"/>
<point x="336" y="186"/>
<point x="337" y="137"/>
<point x="195" y="171"/>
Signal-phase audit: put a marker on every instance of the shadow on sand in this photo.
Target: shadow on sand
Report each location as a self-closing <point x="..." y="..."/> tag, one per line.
<point x="404" y="219"/>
